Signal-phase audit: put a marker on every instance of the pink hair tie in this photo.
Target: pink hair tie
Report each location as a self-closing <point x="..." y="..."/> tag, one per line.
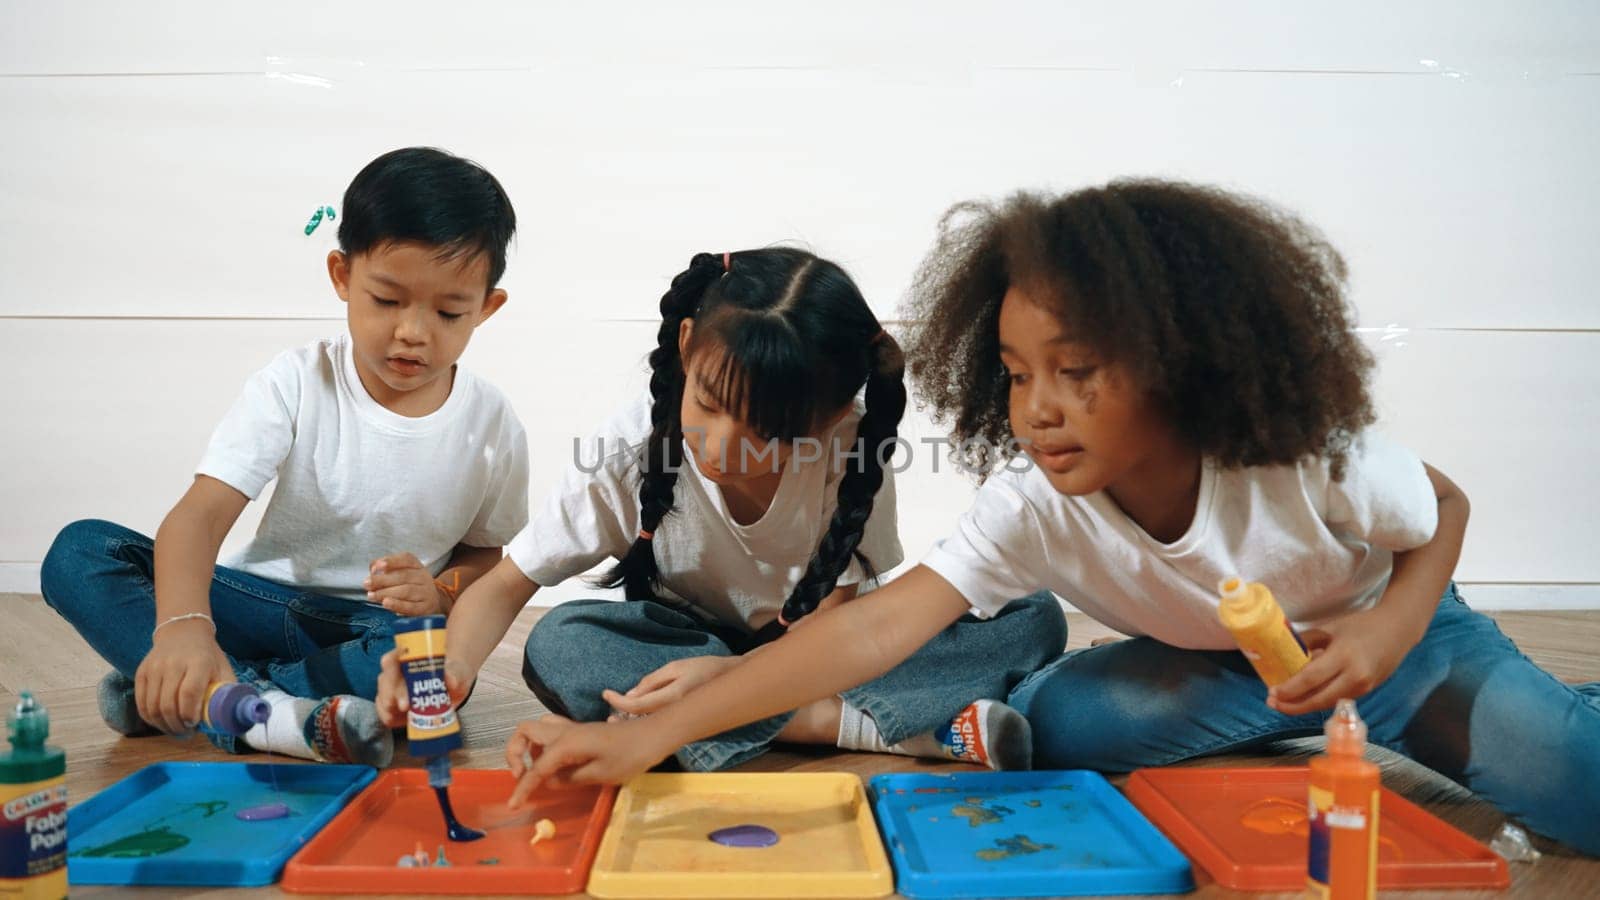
<point x="727" y="262"/>
<point x="646" y="535"/>
<point x="782" y="621"/>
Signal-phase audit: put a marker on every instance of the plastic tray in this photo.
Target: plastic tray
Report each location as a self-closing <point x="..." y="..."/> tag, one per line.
<point x="1247" y="829"/>
<point x="658" y="843"/>
<point x="1022" y="834"/>
<point x="175" y="823"/>
<point x="357" y="853"/>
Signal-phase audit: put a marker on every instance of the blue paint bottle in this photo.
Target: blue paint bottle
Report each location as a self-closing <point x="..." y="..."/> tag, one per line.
<point x="432" y="728"/>
<point x="431" y="725"/>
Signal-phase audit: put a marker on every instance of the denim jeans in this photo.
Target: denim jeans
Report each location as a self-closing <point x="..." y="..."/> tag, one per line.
<point x="99" y="577"/>
<point x="1464" y="702"/>
<point x="583" y="647"/>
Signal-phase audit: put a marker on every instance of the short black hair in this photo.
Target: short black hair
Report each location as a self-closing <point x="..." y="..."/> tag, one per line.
<point x="432" y="197"/>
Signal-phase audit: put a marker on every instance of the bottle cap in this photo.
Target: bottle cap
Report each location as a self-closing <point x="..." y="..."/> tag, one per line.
<point x="1347" y="734"/>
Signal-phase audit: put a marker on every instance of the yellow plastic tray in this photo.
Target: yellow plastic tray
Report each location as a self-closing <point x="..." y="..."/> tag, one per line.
<point x="657" y="844"/>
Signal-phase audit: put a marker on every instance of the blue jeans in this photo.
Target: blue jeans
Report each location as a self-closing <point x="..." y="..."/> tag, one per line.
<point x="583" y="647"/>
<point x="1464" y="702"/>
<point x="99" y="577"/>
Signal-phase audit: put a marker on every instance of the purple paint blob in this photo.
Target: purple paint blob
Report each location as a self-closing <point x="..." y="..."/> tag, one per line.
<point x="266" y="812"/>
<point x="745" y="836"/>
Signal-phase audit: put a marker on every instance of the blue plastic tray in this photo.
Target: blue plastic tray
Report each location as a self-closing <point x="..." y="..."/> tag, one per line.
<point x="1021" y="834"/>
<point x="175" y="823"/>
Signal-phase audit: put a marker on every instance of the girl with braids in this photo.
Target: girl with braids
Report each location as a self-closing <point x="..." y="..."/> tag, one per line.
<point x="1180" y="364"/>
<point x="747" y="495"/>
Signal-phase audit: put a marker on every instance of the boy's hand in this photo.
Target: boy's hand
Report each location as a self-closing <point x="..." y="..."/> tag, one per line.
<point x="668" y="684"/>
<point x="565" y="753"/>
<point x="404" y="586"/>
<point x="394" y="700"/>
<point x="1350" y="656"/>
<point x="171" y="683"/>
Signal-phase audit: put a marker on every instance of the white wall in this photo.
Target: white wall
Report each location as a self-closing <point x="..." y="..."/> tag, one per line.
<point x="157" y="168"/>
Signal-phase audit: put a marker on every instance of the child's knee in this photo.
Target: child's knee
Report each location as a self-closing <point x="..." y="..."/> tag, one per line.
<point x="1095" y="728"/>
<point x="1100" y="709"/>
<point x="1527" y="742"/>
<point x="548" y="643"/>
<point x="557" y="662"/>
<point x="557" y="638"/>
<point x="1042" y="628"/>
<point x="68" y="558"/>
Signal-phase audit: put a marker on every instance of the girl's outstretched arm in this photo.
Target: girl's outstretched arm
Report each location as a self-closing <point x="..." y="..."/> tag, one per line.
<point x="673" y="681"/>
<point x="849" y="646"/>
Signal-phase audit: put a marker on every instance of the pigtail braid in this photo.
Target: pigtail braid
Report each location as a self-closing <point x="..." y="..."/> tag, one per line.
<point x="662" y="456"/>
<point x="876" y="439"/>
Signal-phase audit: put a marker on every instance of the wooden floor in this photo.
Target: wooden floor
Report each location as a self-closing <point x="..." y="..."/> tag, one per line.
<point x="38" y="652"/>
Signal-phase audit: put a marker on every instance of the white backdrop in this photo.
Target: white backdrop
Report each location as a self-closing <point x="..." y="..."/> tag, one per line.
<point x="158" y="166"/>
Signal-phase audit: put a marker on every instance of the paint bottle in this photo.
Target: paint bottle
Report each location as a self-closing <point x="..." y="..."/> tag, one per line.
<point x="233" y="708"/>
<point x="1343" y="859"/>
<point x="431" y="725"/>
<point x="1263" y="633"/>
<point x="33" y="808"/>
<point x="432" y="728"/>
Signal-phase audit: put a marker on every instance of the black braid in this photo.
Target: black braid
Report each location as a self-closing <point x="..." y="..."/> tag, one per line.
<point x="662" y="455"/>
<point x="876" y="434"/>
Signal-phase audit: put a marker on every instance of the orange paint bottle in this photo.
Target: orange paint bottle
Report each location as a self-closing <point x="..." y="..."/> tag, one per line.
<point x="1343" y="861"/>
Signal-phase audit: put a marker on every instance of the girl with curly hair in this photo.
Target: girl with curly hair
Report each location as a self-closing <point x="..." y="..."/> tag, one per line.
<point x="1161" y="387"/>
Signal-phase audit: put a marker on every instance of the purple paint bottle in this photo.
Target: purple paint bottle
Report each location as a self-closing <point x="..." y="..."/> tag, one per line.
<point x="233" y="708"/>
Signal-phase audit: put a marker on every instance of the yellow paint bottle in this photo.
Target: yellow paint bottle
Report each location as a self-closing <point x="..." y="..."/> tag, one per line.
<point x="1263" y="633"/>
<point x="33" y="809"/>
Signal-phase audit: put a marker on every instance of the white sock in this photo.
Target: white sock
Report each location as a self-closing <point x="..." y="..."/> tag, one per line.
<point x="857" y="731"/>
<point x="340" y="729"/>
<point x="282" y="732"/>
<point x="986" y="733"/>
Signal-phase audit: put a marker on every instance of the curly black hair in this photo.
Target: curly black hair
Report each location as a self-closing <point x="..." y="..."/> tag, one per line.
<point x="1230" y="312"/>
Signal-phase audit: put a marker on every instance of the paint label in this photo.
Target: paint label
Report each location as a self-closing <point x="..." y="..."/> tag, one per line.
<point x="1351" y="819"/>
<point x="432" y="715"/>
<point x="1334" y="828"/>
<point x="1321" y="843"/>
<point x="33" y="829"/>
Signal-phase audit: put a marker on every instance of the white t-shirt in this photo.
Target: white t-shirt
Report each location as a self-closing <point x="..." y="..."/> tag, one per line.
<point x="1323" y="547"/>
<point x="357" y="481"/>
<point x="739" y="575"/>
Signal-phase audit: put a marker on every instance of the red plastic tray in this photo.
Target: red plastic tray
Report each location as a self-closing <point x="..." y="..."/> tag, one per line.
<point x="1247" y="829"/>
<point x="357" y="852"/>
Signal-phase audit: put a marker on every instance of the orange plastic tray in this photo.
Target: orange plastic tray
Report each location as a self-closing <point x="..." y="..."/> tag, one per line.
<point x="1247" y="829"/>
<point x="357" y="852"/>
